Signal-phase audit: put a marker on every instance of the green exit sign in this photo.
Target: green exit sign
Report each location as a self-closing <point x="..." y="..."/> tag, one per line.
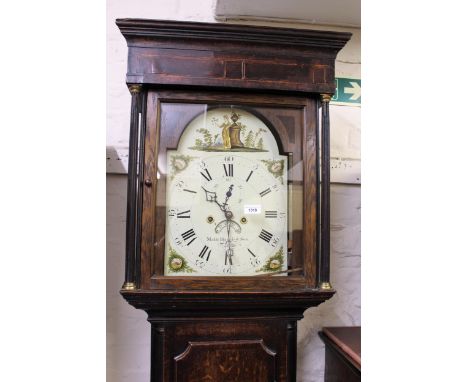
<point x="348" y="91"/>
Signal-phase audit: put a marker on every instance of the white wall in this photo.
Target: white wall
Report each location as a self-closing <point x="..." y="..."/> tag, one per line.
<point x="128" y="334"/>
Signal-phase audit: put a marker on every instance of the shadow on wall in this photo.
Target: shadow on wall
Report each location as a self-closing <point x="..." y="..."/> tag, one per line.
<point x="116" y="159"/>
<point x="344" y="308"/>
<point x="128" y="331"/>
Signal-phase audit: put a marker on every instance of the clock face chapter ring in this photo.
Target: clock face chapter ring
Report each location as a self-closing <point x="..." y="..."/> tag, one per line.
<point x="227" y="226"/>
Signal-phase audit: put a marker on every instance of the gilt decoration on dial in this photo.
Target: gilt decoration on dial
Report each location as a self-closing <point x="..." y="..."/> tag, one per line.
<point x="226" y="198"/>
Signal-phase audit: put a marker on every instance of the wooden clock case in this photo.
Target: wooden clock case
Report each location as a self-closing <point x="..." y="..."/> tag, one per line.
<point x="226" y="329"/>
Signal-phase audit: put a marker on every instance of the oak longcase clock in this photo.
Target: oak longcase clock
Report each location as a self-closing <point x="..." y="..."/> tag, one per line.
<point x="228" y="194"/>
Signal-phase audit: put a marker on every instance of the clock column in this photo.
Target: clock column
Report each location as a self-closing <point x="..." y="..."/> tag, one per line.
<point x="324" y="254"/>
<point x="133" y="189"/>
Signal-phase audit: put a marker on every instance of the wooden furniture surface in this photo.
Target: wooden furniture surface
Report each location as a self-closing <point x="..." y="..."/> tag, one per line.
<point x="342" y="353"/>
<point x="231" y="56"/>
<point x="226" y="329"/>
<point x="294" y="122"/>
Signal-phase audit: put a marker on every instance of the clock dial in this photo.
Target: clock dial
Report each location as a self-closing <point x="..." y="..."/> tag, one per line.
<point x="227" y="209"/>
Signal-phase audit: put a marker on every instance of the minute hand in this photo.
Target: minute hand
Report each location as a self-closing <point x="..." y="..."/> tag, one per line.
<point x="229" y="250"/>
<point x="228" y="194"/>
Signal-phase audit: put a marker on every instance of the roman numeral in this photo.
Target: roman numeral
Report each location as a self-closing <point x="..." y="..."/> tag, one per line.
<point x="207" y="176"/>
<point x="188" y="234"/>
<point x="228" y="257"/>
<point x="184" y="214"/>
<point x="204" y="252"/>
<point x="251" y="172"/>
<point x="271" y="214"/>
<point x="265" y="235"/>
<point x="251" y="252"/>
<point x="193" y="192"/>
<point x="228" y="169"/>
<point x="264" y="192"/>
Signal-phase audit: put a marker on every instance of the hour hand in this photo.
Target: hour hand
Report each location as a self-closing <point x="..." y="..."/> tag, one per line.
<point x="210" y="196"/>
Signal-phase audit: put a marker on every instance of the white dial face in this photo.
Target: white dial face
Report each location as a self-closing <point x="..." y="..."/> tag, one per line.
<point x="226" y="209"/>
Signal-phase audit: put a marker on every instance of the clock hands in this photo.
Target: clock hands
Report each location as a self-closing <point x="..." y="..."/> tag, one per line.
<point x="229" y="250"/>
<point x="213" y="198"/>
<point x="228" y="223"/>
<point x="228" y="193"/>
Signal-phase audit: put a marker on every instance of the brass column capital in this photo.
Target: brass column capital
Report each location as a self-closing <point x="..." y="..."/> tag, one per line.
<point x="134" y="88"/>
<point x="326" y="97"/>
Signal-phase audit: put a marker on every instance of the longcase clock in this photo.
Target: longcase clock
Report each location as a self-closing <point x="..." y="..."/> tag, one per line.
<point x="228" y="193"/>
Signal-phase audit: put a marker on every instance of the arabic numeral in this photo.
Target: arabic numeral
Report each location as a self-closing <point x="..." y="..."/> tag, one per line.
<point x="227" y="270"/>
<point x="180" y="185"/>
<point x="274" y="241"/>
<point x="254" y="261"/>
<point x="200" y="263"/>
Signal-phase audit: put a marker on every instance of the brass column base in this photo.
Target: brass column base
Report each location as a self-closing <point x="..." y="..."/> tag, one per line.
<point x="129" y="286"/>
<point x="325" y="285"/>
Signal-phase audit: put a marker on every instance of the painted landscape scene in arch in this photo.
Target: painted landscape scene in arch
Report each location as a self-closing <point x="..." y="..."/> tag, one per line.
<point x="231" y="135"/>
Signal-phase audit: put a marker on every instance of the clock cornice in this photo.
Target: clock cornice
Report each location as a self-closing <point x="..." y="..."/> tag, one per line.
<point x="219" y="55"/>
<point x="162" y="29"/>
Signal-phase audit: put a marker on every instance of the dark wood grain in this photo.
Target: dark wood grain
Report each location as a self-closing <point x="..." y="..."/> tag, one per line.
<point x="146" y="29"/>
<point x="292" y="121"/>
<point x="318" y="181"/>
<point x="325" y="195"/>
<point x="342" y="353"/>
<point x="159" y="363"/>
<point x="264" y="302"/>
<point x="228" y="349"/>
<point x="229" y="361"/>
<point x="140" y="185"/>
<point x="310" y="150"/>
<point x="130" y="238"/>
<point x="149" y="193"/>
<point x="348" y="339"/>
<point x="291" y="338"/>
<point x="231" y="56"/>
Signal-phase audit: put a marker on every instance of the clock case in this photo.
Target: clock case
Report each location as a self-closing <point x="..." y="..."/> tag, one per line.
<point x="240" y="328"/>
